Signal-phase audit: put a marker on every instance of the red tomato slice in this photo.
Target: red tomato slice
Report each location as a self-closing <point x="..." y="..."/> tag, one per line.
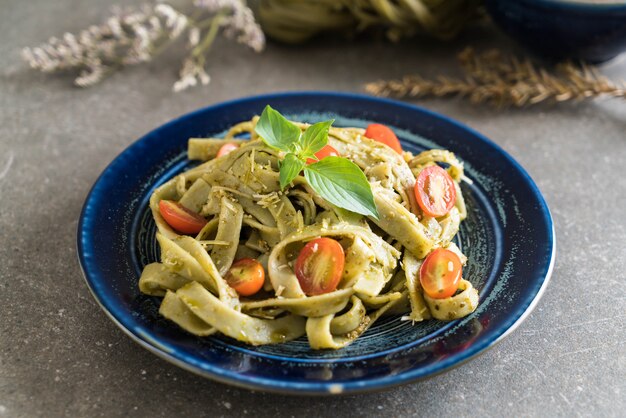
<point x="246" y="276"/>
<point x="180" y="218"/>
<point x="319" y="266"/>
<point x="440" y="273"/>
<point x="383" y="134"/>
<point x="434" y="191"/>
<point x="226" y="148"/>
<point x="327" y="151"/>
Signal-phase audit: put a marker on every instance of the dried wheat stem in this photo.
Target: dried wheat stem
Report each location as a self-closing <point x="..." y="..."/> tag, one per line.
<point x="502" y="80"/>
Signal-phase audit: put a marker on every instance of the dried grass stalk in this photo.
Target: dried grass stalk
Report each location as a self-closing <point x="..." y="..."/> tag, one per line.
<point x="504" y="80"/>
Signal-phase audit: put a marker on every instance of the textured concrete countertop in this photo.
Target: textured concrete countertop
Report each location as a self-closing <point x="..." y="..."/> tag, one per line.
<point x="61" y="356"/>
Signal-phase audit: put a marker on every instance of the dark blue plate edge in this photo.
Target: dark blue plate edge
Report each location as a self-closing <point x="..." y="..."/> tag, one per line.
<point x="578" y="6"/>
<point x="327" y="388"/>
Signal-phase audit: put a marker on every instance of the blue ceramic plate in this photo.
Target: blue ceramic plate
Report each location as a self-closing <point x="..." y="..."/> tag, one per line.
<point x="508" y="237"/>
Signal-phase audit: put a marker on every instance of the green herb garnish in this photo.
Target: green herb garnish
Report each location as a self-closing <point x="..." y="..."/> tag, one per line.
<point x="336" y="179"/>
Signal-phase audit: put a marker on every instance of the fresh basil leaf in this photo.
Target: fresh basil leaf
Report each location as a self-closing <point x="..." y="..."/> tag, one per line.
<point x="276" y="131"/>
<point x="342" y="183"/>
<point x="315" y="137"/>
<point x="289" y="169"/>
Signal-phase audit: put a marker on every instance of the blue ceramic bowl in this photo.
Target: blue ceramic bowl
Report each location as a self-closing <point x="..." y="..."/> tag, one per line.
<point x="508" y="237"/>
<point x="561" y="29"/>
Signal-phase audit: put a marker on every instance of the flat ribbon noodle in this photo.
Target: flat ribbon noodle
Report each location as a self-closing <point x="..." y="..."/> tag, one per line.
<point x="186" y="257"/>
<point x="156" y="279"/>
<point x="196" y="196"/>
<point x="419" y="310"/>
<point x="241" y="127"/>
<point x="454" y="307"/>
<point x="261" y="179"/>
<point x="305" y="201"/>
<point x="235" y="324"/>
<point x="350" y="320"/>
<point x="223" y="162"/>
<point x="246" y="252"/>
<point x="320" y="334"/>
<point x="372" y="281"/>
<point x="167" y="191"/>
<point x="269" y="234"/>
<point x="378" y="301"/>
<point x="319" y="305"/>
<point x="209" y="230"/>
<point x="288" y="220"/>
<point x="398" y="222"/>
<point x="358" y="258"/>
<point x="228" y="230"/>
<point x="175" y="310"/>
<point x="449" y="226"/>
<point x="459" y="204"/>
<point x="222" y="179"/>
<point x="205" y="149"/>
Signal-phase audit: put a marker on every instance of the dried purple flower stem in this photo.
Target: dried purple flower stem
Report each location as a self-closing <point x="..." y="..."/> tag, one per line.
<point x="134" y="36"/>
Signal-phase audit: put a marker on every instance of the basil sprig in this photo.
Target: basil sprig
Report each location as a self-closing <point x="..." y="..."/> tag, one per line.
<point x="336" y="179"/>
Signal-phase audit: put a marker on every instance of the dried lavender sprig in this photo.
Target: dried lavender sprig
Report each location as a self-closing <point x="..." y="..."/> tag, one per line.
<point x="133" y="36"/>
<point x="193" y="70"/>
<point x="236" y="21"/>
<point x="191" y="73"/>
<point x="127" y="38"/>
<point x="239" y="22"/>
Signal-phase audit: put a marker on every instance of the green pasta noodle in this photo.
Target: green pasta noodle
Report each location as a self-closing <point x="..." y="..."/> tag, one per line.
<point x="247" y="216"/>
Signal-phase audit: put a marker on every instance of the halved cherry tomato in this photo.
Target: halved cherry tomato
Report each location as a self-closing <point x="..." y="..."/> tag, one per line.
<point x="246" y="276"/>
<point x="319" y="266"/>
<point x="383" y="134"/>
<point x="180" y="218"/>
<point x="226" y="148"/>
<point x="440" y="273"/>
<point x="434" y="191"/>
<point x="327" y="151"/>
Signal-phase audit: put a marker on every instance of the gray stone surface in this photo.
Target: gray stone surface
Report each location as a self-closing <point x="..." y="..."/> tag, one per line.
<point x="61" y="356"/>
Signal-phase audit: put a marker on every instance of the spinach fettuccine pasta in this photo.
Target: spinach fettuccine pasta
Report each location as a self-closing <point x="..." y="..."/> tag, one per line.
<point x="308" y="230"/>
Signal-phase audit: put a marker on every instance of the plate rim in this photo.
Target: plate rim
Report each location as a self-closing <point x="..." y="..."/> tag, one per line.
<point x="284" y="386"/>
